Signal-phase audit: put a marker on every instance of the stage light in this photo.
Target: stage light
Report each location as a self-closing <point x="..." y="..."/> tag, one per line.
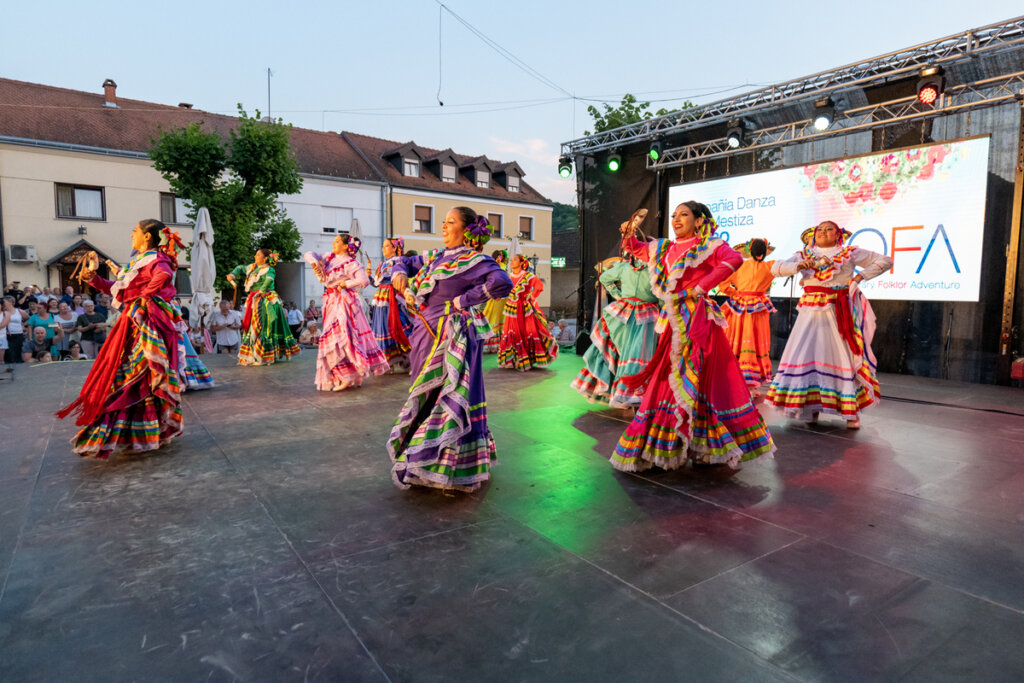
<point x="734" y="135"/>
<point x="565" y="167"/>
<point x="930" y="85"/>
<point x="824" y="113"/>
<point x="654" y="153"/>
<point x="614" y="162"/>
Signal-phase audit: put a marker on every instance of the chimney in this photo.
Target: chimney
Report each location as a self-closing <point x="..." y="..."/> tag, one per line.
<point x="110" y="93"/>
<point x="185" y="105"/>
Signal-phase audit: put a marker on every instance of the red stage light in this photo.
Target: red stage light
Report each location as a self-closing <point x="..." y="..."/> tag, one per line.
<point x="928" y="94"/>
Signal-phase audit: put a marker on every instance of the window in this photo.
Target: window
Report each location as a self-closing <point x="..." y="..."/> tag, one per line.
<point x="495" y="219"/>
<point x="526" y="227"/>
<point x="335" y="219"/>
<point x="183" y="281"/>
<point x="330" y="231"/>
<point x="483" y="179"/>
<point x="448" y="173"/>
<point x="423" y="219"/>
<point x="173" y="209"/>
<point x="412" y="168"/>
<point x="513" y="182"/>
<point x="78" y="201"/>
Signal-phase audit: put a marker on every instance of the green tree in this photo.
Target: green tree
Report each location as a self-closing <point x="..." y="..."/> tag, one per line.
<point x="629" y="111"/>
<point x="564" y="218"/>
<point x="239" y="181"/>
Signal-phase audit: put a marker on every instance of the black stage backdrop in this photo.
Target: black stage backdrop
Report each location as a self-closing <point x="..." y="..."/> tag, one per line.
<point x="950" y="340"/>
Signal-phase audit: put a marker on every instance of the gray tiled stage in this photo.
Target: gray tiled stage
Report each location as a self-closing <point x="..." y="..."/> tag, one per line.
<point x="269" y="544"/>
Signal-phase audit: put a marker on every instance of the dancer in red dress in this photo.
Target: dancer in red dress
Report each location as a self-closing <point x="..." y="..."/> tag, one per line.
<point x="526" y="342"/>
<point x="696" y="405"/>
<point x="132" y="396"/>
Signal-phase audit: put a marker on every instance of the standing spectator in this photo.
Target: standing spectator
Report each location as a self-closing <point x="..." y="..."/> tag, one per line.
<point x="294" y="318"/>
<point x="76" y="304"/>
<point x="68" y="322"/>
<point x="28" y="296"/>
<point x="312" y="312"/>
<point x="5" y="321"/>
<point x="43" y="319"/>
<point x="45" y="296"/>
<point x="52" y="306"/>
<point x="226" y="324"/>
<point x="69" y="295"/>
<point x="14" y="290"/>
<point x="93" y="327"/>
<point x="38" y="348"/>
<point x="15" y="330"/>
<point x="101" y="305"/>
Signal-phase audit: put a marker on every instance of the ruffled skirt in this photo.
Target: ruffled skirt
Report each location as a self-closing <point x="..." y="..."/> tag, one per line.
<point x="347" y="348"/>
<point x="623" y="343"/>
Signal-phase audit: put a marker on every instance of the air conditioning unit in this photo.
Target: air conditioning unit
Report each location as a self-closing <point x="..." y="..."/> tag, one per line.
<point x="25" y="253"/>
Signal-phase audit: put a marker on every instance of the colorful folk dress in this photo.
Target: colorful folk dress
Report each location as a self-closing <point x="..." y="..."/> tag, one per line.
<point x="696" y="405"/>
<point x="347" y="349"/>
<point x="440" y="438"/>
<point x="526" y="342"/>
<point x="390" y="319"/>
<point x="192" y="372"/>
<point x="131" y="399"/>
<point x="827" y="365"/>
<point x="266" y="337"/>
<point x="746" y="315"/>
<point x="494" y="311"/>
<point x="623" y="340"/>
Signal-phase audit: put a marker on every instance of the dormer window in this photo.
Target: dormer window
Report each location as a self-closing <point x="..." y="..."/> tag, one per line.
<point x="513" y="182"/>
<point x="483" y="178"/>
<point x="411" y="168"/>
<point x="448" y="173"/>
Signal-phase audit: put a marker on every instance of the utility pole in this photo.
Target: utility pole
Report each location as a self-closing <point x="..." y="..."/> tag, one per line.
<point x="268" y="93"/>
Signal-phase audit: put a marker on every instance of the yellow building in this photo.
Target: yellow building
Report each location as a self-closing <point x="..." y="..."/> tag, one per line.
<point x="423" y="184"/>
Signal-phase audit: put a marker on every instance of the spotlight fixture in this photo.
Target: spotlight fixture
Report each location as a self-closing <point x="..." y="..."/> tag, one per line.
<point x="734" y="135"/>
<point x="654" y="153"/>
<point x="565" y="167"/>
<point x="824" y="113"/>
<point x="930" y="85"/>
<point x="614" y="162"/>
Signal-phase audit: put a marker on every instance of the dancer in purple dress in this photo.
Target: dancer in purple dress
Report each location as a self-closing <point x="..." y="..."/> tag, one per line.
<point x="441" y="437"/>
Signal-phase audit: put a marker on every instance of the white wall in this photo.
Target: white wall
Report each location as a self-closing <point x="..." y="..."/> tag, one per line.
<point x="323" y="202"/>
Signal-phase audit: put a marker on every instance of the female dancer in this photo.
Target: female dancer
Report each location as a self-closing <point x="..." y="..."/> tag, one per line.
<point x="132" y="396"/>
<point x="347" y="351"/>
<point x="266" y="337"/>
<point x="494" y="310"/>
<point x="696" y="405"/>
<point x="827" y="365"/>
<point x="526" y="342"/>
<point x="747" y="310"/>
<point x="623" y="339"/>
<point x="192" y="371"/>
<point x="390" y="319"/>
<point x="441" y="437"/>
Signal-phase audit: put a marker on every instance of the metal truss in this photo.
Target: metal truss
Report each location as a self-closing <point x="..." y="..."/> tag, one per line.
<point x="978" y="95"/>
<point x="975" y="43"/>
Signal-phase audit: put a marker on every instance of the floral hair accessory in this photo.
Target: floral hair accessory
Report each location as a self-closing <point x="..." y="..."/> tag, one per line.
<point x="170" y="242"/>
<point x="273" y="259"/>
<point x="478" y="233"/>
<point x="398" y="243"/>
<point x="353" y="245"/>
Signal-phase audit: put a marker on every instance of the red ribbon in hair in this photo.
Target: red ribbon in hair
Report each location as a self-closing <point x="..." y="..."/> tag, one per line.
<point x="173" y="244"/>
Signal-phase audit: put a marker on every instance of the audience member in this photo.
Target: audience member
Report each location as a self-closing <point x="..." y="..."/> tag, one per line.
<point x="225" y="324"/>
<point x="74" y="352"/>
<point x="69" y="295"/>
<point x="92" y="325"/>
<point x="294" y="318"/>
<point x="15" y="330"/>
<point x="312" y="312"/>
<point x="39" y="348"/>
<point x="101" y="304"/>
<point x="43" y="319"/>
<point x="564" y="334"/>
<point x="68" y="322"/>
<point x="76" y="304"/>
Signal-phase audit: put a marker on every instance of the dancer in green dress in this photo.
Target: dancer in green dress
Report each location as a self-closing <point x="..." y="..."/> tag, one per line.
<point x="266" y="337"/>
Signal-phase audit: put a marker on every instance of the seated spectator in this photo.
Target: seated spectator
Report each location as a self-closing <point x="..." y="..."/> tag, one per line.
<point x="225" y="324"/>
<point x="74" y="352"/>
<point x="38" y="348"/>
<point x="564" y="335"/>
<point x="93" y="327"/>
<point x="311" y="335"/>
<point x="42" y="319"/>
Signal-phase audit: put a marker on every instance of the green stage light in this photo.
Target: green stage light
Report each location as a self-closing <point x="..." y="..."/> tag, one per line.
<point x="614" y="162"/>
<point x="565" y="167"/>
<point x="654" y="153"/>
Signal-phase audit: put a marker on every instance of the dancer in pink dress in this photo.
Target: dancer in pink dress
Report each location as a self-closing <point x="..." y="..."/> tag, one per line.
<point x="347" y="349"/>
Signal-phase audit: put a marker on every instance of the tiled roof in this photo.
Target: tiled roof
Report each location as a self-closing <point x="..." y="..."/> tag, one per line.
<point x="47" y="113"/>
<point x="375" y="149"/>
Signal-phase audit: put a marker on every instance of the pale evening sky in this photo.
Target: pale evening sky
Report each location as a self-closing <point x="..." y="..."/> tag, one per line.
<point x="373" y="67"/>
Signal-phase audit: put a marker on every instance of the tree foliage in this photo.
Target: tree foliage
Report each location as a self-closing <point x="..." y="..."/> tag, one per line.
<point x="564" y="218"/>
<point x="239" y="181"/>
<point x="629" y="111"/>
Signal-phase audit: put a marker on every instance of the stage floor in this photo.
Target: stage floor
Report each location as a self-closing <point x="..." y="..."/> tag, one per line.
<point x="269" y="543"/>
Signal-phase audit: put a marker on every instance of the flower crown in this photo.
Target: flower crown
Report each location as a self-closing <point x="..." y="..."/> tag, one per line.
<point x="353" y="245"/>
<point x="398" y="243"/>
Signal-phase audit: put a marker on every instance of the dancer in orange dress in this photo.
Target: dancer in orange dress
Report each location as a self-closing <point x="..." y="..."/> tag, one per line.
<point x="747" y="310"/>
